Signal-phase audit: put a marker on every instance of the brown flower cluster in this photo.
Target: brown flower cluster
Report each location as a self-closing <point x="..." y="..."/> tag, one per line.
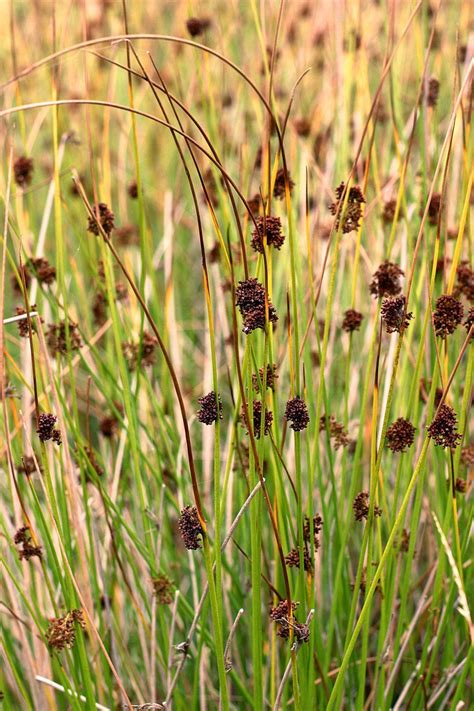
<point x="386" y="280"/>
<point x="23" y="171"/>
<point x="257" y="419"/>
<point x="163" y="590"/>
<point x="353" y="210"/>
<point x="389" y="210"/>
<point x="296" y="412"/>
<point x="23" y="328"/>
<point x="144" y="352"/>
<point x="46" y="428"/>
<point x="43" y="270"/>
<point x="270" y="228"/>
<point x="448" y="315"/>
<point x="61" y="631"/>
<point x="198" y="25"/>
<point x="279" y="187"/>
<point x="352" y="320"/>
<point x="57" y="340"/>
<point x="469" y="322"/>
<point x="190" y="528"/>
<point x="28" y="550"/>
<point x="465" y="281"/>
<point x="211" y="408"/>
<point x="27" y="466"/>
<point x="443" y="428"/>
<point x="400" y="435"/>
<point x="286" y="621"/>
<point x="394" y="314"/>
<point x="337" y="431"/>
<point x="250" y="300"/>
<point x="271" y="377"/>
<point x="433" y="92"/>
<point x="361" y="506"/>
<point x="434" y="209"/>
<point x="103" y="217"/>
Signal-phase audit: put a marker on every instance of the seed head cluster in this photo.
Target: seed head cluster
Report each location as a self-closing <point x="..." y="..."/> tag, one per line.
<point x="257" y="419"/>
<point x="448" y="315"/>
<point x="250" y="300"/>
<point x="270" y="380"/>
<point x="352" y="211"/>
<point x="279" y="187"/>
<point x="394" y="314"/>
<point x="103" y="217"/>
<point x="270" y="228"/>
<point x="296" y="412"/>
<point x="61" y="632"/>
<point x="163" y="590"/>
<point x="286" y="621"/>
<point x="57" y="340"/>
<point x="43" y="270"/>
<point x="190" y="528"/>
<point x="337" y="431"/>
<point x="352" y="320"/>
<point x="211" y="408"/>
<point x="361" y="506"/>
<point x="197" y="25"/>
<point x="28" y="550"/>
<point x="23" y="171"/>
<point x="386" y="280"/>
<point x="465" y="281"/>
<point x="46" y="428"/>
<point x="400" y="435"/>
<point x="443" y="428"/>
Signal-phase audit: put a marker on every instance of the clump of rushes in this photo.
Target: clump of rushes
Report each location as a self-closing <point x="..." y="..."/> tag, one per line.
<point x="443" y="428"/>
<point x="257" y="419"/>
<point x="336" y="431"/>
<point x="286" y="622"/>
<point x="250" y="300"/>
<point x="42" y="270"/>
<point x="394" y="314"/>
<point x="353" y="210"/>
<point x="23" y="171"/>
<point x="465" y="281"/>
<point x="270" y="228"/>
<point x="57" y="341"/>
<point x="296" y="412"/>
<point x="400" y="435"/>
<point x="103" y="217"/>
<point x="46" y="428"/>
<point x="386" y="280"/>
<point x="448" y="315"/>
<point x="433" y="92"/>
<point x="211" y="408"/>
<point x="28" y="550"/>
<point x="190" y="528"/>
<point x="271" y="377"/>
<point x="352" y="320"/>
<point x="61" y="632"/>
<point x="163" y="590"/>
<point x="433" y="209"/>
<point x="279" y="187"/>
<point x="197" y="25"/>
<point x="361" y="506"/>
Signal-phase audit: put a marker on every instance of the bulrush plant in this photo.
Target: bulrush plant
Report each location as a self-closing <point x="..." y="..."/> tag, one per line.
<point x="228" y="350"/>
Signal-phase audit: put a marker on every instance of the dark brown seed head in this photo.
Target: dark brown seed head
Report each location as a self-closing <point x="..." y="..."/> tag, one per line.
<point x="270" y="228"/>
<point x="448" y="315"/>
<point x="467" y="456"/>
<point x="352" y="320"/>
<point x="337" y="431"/>
<point x="27" y="466"/>
<point x="257" y="419"/>
<point x="460" y="485"/>
<point x="352" y="211"/>
<point x="433" y="209"/>
<point x="148" y="348"/>
<point x="469" y="322"/>
<point x="108" y="426"/>
<point x="317" y="526"/>
<point x="433" y="92"/>
<point x="254" y="204"/>
<point x="211" y="408"/>
<point x="46" y="428"/>
<point x="61" y="631"/>
<point x="126" y="235"/>
<point x="394" y="315"/>
<point x="56" y="338"/>
<point x="133" y="189"/>
<point x="103" y="217"/>
<point x="303" y="127"/>
<point x="197" y="25"/>
<point x="465" y="281"/>
<point x="389" y="210"/>
<point x="24" y="275"/>
<point x="28" y="550"/>
<point x="386" y="280"/>
<point x="443" y="428"/>
<point x="361" y="506"/>
<point x="23" y="328"/>
<point x="23" y="171"/>
<point x="400" y="435"/>
<point x="279" y="187"/>
<point x="296" y="412"/>
<point x="271" y="377"/>
<point x="163" y="590"/>
<point x="293" y="559"/>
<point x="42" y="270"/>
<point x="250" y="300"/>
<point x="190" y="528"/>
<point x="404" y="542"/>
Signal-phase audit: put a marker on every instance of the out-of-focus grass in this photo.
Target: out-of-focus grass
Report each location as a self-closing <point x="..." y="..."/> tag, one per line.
<point x="177" y="139"/>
